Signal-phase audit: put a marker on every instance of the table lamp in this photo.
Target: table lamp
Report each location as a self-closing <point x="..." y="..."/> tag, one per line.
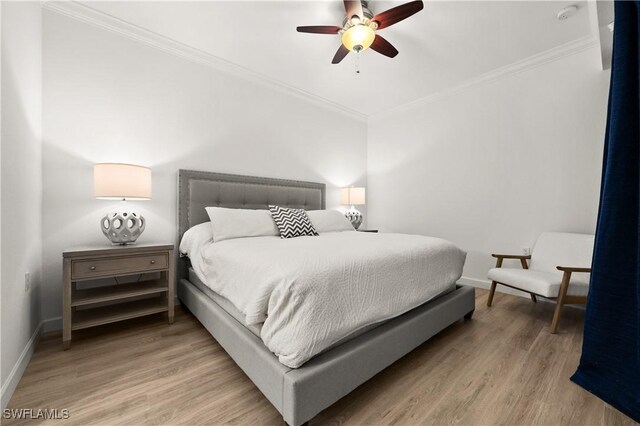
<point x="114" y="181"/>
<point x="354" y="197"/>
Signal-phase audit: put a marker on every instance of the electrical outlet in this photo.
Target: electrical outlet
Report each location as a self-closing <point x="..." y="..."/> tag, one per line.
<point x="526" y="251"/>
<point x="27" y="281"/>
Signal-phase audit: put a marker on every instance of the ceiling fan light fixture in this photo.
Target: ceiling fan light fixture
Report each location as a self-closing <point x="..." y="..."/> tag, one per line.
<point x="358" y="38"/>
<point x="359" y="25"/>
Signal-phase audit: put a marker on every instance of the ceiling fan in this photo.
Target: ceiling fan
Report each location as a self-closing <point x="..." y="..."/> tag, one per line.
<point x="359" y="28"/>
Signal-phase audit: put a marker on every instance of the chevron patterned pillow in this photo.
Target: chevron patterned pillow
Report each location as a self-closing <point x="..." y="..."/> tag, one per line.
<point x="292" y="222"/>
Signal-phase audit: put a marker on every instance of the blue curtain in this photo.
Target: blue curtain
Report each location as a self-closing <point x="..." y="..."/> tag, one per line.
<point x="610" y="363"/>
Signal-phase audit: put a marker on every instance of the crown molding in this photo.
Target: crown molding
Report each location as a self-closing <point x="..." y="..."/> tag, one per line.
<point x="559" y="52"/>
<point x="108" y="22"/>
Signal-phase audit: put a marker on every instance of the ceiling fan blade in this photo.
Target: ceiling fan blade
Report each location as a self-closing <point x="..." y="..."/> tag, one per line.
<point x="319" y="29"/>
<point x="340" y="54"/>
<point x="353" y="8"/>
<point x="398" y="13"/>
<point x="382" y="46"/>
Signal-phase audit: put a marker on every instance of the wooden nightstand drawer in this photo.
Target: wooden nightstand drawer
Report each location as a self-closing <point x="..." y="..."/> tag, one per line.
<point x="93" y="268"/>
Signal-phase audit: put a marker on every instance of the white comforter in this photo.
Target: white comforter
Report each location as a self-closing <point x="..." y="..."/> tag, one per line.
<point x="311" y="292"/>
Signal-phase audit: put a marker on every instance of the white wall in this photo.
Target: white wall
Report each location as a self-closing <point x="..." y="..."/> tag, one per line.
<point x="492" y="166"/>
<point x="109" y="98"/>
<point x="21" y="180"/>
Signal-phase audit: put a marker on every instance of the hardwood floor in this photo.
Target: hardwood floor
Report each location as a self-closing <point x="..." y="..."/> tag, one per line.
<point x="503" y="367"/>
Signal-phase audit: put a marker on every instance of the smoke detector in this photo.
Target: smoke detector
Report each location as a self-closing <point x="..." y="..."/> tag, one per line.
<point x="567" y="12"/>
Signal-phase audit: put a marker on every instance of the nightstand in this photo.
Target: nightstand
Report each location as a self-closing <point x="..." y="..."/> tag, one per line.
<point x="93" y="306"/>
<point x="368" y="230"/>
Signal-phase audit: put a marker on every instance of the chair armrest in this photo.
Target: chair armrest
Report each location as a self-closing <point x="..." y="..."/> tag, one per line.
<point x="511" y="256"/>
<point x="572" y="269"/>
<point x="523" y="259"/>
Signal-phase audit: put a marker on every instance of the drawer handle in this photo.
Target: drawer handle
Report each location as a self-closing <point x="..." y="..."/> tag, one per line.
<point x="93" y="268"/>
<point x="153" y="262"/>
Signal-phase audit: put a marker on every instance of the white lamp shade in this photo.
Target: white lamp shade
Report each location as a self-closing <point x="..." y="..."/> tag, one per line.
<point x="113" y="181"/>
<point x="352" y="196"/>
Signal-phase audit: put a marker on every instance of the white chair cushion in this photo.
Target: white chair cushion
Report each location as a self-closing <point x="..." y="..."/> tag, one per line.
<point x="540" y="282"/>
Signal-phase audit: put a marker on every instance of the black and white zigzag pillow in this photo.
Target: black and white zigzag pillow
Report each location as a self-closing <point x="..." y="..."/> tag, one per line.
<point x="292" y="222"/>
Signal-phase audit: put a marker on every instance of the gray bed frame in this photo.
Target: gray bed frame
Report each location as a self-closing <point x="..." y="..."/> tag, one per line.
<point x="299" y="394"/>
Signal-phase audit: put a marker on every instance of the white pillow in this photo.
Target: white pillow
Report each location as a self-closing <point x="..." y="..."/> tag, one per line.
<point x="239" y="223"/>
<point x="195" y="238"/>
<point x="329" y="221"/>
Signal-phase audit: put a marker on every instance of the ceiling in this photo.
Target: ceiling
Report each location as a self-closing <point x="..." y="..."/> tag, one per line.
<point x="442" y="46"/>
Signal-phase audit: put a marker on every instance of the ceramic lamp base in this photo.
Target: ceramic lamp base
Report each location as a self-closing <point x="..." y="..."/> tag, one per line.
<point x="122" y="227"/>
<point x="355" y="217"/>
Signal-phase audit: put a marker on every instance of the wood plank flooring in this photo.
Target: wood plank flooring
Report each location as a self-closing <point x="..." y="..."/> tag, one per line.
<point x="503" y="368"/>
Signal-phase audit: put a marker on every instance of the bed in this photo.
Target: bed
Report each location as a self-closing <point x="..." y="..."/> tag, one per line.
<point x="298" y="393"/>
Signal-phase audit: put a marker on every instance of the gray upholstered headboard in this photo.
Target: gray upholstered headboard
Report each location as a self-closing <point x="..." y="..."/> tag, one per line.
<point x="197" y="190"/>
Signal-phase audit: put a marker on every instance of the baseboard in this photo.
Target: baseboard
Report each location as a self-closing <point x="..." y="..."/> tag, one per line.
<point x="474" y="282"/>
<point x="51" y="324"/>
<point x="10" y="385"/>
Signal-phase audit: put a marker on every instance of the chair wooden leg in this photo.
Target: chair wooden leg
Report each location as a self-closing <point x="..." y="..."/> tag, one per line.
<point x="491" y="293"/>
<point x="562" y="293"/>
<point x="533" y="298"/>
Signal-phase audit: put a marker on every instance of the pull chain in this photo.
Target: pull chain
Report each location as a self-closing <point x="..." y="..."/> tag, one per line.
<point x="358" y="62"/>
